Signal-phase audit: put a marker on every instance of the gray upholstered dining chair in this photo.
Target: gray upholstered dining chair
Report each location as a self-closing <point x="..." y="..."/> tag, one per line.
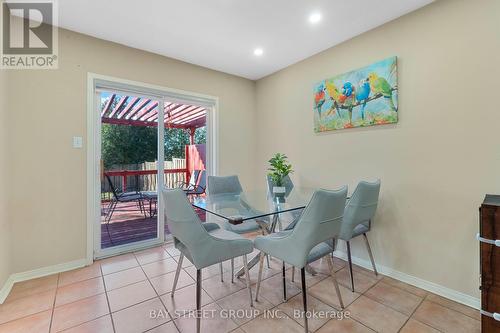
<point x="358" y="217"/>
<point x="320" y="221"/>
<point x="230" y="185"/>
<point x="204" y="244"/>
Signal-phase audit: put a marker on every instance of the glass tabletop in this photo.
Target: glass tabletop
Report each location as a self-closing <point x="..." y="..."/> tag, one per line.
<point x="256" y="204"/>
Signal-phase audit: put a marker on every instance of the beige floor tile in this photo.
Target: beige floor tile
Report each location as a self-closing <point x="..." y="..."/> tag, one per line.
<point x="240" y="301"/>
<point x="217" y="289"/>
<point x="272" y="289"/>
<point x="267" y="272"/>
<point x="76" y="291"/>
<point x="211" y="321"/>
<point x="393" y="297"/>
<point x="294" y="309"/>
<point x="184" y="300"/>
<point x="151" y="255"/>
<point x="311" y="280"/>
<point x="37" y="323"/>
<point x="79" y="312"/>
<point x="80" y="274"/>
<point x="123" y="278"/>
<point x="163" y="284"/>
<point x="119" y="263"/>
<point x="445" y="319"/>
<point x="466" y="310"/>
<point x="325" y="292"/>
<point x="345" y="325"/>
<point x="185" y="261"/>
<point x="376" y="316"/>
<point x="160" y="267"/>
<point x="32" y="287"/>
<point x="367" y="272"/>
<point x="141" y="317"/>
<point x="408" y="287"/>
<point x="130" y="295"/>
<point x="211" y="271"/>
<point x="99" y="325"/>
<point x="273" y="324"/>
<point x="414" y="326"/>
<point x="25" y="306"/>
<point x="165" y="328"/>
<point x="362" y="282"/>
<point x="171" y="250"/>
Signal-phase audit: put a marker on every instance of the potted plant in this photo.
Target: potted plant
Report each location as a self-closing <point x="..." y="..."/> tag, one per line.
<point x="278" y="170"/>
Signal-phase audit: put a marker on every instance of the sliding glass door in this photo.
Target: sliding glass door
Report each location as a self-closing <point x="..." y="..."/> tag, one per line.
<point x="131" y="146"/>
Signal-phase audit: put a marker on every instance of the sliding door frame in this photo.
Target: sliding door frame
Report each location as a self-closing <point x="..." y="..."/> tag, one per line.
<point x="95" y="83"/>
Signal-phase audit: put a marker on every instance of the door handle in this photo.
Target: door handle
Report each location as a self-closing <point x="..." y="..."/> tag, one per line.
<point x="495" y="242"/>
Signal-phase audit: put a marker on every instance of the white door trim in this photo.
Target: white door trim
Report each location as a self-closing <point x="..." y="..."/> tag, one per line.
<point x="93" y="141"/>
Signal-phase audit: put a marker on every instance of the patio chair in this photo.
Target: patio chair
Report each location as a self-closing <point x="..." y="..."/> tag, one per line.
<point x="320" y="221"/>
<point x="193" y="179"/>
<point x="204" y="244"/>
<point x="199" y="187"/>
<point x="121" y="197"/>
<point x="358" y="216"/>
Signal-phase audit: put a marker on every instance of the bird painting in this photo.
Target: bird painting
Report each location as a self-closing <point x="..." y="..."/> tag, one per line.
<point x="369" y="95"/>
<point x="379" y="85"/>
<point x="362" y="95"/>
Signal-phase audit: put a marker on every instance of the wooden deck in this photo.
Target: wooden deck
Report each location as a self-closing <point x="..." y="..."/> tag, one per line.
<point x="129" y="225"/>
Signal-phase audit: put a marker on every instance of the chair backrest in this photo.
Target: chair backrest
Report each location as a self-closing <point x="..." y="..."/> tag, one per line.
<point x="185" y="225"/>
<point x="113" y="189"/>
<point x="224" y="185"/>
<point x="193" y="180"/>
<point x="202" y="182"/>
<point x="361" y="208"/>
<point x="320" y="221"/>
<point x="287" y="184"/>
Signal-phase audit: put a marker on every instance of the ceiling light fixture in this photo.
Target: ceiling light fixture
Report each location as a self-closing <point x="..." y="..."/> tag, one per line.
<point x="315" y="18"/>
<point x="258" y="52"/>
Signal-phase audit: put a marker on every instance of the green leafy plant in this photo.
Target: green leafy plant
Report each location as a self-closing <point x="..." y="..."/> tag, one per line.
<point x="279" y="168"/>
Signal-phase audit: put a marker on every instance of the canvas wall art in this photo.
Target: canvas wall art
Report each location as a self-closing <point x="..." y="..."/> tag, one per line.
<point x="363" y="97"/>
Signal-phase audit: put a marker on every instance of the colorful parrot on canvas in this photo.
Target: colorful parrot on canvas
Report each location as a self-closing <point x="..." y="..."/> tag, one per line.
<point x="362" y="94"/>
<point x="334" y="94"/>
<point x="348" y="97"/>
<point x="379" y="85"/>
<point x="319" y="98"/>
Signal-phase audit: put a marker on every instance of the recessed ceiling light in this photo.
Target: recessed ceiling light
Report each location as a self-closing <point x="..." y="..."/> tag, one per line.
<point x="258" y="51"/>
<point x="315" y="18"/>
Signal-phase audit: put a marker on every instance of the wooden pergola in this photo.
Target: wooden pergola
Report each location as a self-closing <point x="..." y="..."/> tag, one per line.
<point x="136" y="111"/>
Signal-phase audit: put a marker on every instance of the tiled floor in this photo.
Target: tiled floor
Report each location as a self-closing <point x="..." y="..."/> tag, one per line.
<point x="132" y="293"/>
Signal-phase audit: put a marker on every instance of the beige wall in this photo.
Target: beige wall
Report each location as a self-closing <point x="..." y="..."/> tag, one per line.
<point x="436" y="164"/>
<point x="47" y="108"/>
<point x="5" y="234"/>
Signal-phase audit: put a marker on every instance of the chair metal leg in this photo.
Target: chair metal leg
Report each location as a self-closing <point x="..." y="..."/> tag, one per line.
<point x="370" y="254"/>
<point x="177" y="272"/>
<point x="247" y="277"/>
<point x="221" y="272"/>
<point x="198" y="300"/>
<point x="261" y="266"/>
<point x="304" y="298"/>
<point x="293" y="273"/>
<point x="335" y="283"/>
<point x="284" y="282"/>
<point x="232" y="270"/>
<point x="350" y="265"/>
<point x="267" y="259"/>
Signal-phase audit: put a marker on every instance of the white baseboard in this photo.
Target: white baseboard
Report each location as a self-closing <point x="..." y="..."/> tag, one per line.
<point x="37" y="273"/>
<point x="432" y="287"/>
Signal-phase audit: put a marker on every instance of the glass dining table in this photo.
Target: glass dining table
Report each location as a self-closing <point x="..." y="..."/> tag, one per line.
<point x="259" y="205"/>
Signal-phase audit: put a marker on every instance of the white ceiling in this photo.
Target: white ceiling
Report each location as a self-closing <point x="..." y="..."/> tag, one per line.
<point x="222" y="34"/>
